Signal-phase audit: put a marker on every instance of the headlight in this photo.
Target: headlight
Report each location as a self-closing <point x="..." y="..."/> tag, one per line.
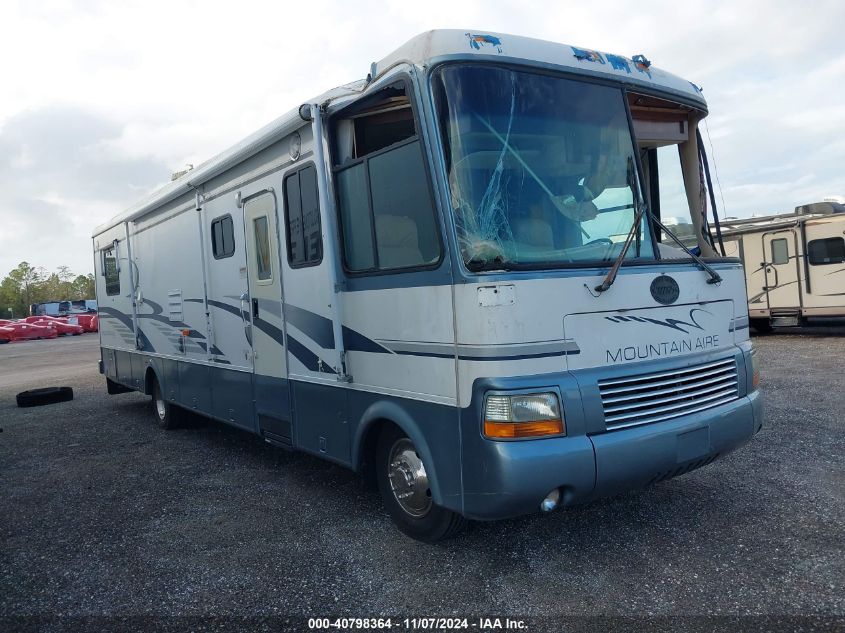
<point x="755" y="369"/>
<point x="523" y="415"/>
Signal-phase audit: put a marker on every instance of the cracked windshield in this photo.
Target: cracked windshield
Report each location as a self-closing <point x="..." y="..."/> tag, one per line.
<point x="540" y="168"/>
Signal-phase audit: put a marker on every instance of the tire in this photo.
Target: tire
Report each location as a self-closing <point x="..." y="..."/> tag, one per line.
<point x="761" y="326"/>
<point x="40" y="397"/>
<point x="399" y="470"/>
<point x="167" y="415"/>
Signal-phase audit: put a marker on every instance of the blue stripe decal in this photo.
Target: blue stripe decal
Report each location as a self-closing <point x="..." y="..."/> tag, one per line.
<point x="522" y="356"/>
<point x="270" y="330"/>
<point x="307" y="357"/>
<point x="317" y="328"/>
<point x="493" y="358"/>
<point x="218" y="304"/>
<point x="356" y="342"/>
<point x="297" y="349"/>
<point x="111" y="313"/>
<point x="158" y="315"/>
<point x="426" y="354"/>
<point x="175" y="324"/>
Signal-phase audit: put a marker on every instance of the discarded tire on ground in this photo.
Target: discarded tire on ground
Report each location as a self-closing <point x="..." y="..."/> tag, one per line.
<point x="48" y="395"/>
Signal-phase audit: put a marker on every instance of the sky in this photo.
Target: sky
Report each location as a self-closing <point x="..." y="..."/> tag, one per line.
<point x="101" y="101"/>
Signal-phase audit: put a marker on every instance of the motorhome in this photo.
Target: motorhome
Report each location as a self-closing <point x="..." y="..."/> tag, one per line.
<point x="449" y="277"/>
<point x="794" y="264"/>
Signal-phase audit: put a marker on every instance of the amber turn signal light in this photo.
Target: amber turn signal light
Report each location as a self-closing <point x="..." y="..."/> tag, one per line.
<point x="523" y="415"/>
<point x="512" y="430"/>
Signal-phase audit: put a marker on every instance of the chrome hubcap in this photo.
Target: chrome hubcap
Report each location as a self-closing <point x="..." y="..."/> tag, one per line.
<point x="408" y="479"/>
<point x="160" y="410"/>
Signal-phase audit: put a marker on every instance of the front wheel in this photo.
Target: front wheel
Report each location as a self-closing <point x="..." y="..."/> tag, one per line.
<point x="167" y="415"/>
<point x="404" y="486"/>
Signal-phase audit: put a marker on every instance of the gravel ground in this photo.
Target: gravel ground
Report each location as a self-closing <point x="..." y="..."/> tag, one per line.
<point x="103" y="514"/>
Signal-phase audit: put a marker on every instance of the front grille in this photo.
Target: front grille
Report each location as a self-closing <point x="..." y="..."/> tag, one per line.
<point x="662" y="395"/>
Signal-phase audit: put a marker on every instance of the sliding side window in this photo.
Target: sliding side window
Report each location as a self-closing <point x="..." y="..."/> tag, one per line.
<point x="111" y="272"/>
<point x="222" y="237"/>
<point x="302" y="215"/>
<point x="386" y="211"/>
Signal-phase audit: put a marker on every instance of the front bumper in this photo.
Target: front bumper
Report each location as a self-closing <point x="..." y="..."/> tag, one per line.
<point x="503" y="479"/>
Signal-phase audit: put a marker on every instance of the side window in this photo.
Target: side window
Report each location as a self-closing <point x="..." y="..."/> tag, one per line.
<point x="262" y="248"/>
<point x="222" y="237"/>
<point x="780" y="251"/>
<point x="826" y="251"/>
<point x="302" y="215"/>
<point x="674" y="208"/>
<point x="112" y="274"/>
<point x="386" y="211"/>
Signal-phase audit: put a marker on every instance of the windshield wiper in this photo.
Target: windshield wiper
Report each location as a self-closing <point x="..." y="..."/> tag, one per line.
<point x="714" y="276"/>
<point x="611" y="274"/>
<point x="642" y="209"/>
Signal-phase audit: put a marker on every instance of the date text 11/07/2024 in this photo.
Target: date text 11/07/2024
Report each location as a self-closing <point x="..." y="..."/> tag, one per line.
<point x="418" y="624"/>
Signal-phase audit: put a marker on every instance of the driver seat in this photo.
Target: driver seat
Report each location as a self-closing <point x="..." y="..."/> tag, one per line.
<point x="533" y="232"/>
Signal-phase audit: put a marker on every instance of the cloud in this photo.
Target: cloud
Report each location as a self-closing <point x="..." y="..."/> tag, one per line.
<point x="59" y="184"/>
<point x="100" y="101"/>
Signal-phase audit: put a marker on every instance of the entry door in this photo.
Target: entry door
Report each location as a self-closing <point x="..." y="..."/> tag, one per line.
<point x="781" y="266"/>
<point x="262" y="305"/>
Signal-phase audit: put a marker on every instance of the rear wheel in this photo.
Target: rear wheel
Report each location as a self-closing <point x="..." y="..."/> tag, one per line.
<point x="167" y="415"/>
<point x="404" y="486"/>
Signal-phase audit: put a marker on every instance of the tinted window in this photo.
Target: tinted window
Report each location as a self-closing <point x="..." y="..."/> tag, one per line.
<point x="111" y="272"/>
<point x="262" y="248"/>
<point x="780" y="251"/>
<point x="404" y="216"/>
<point x="302" y="213"/>
<point x="355" y="218"/>
<point x="376" y="132"/>
<point x="827" y="251"/>
<point x="222" y="237"/>
<point x="386" y="211"/>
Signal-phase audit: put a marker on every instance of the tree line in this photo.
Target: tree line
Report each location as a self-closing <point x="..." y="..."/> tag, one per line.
<point x="26" y="285"/>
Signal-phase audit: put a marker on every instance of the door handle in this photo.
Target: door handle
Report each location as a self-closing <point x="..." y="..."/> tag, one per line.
<point x="245" y="318"/>
<point x="255" y="308"/>
<point x="771" y="269"/>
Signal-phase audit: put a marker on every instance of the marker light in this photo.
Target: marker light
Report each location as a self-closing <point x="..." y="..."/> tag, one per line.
<point x="755" y="369"/>
<point x="522" y="416"/>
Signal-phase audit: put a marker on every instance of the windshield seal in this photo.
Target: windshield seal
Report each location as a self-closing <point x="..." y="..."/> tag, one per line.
<point x="501" y="140"/>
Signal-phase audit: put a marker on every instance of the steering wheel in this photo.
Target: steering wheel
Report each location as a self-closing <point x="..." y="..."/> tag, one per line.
<point x="601" y="240"/>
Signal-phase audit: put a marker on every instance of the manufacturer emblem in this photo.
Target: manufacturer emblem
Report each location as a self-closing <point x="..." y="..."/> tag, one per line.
<point x="665" y="290"/>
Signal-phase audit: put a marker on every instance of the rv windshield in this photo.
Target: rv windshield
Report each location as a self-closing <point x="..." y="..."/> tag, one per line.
<point x="540" y="168"/>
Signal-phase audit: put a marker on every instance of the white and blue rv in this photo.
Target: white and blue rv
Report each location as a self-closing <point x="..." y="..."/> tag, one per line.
<point x="451" y="277"/>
